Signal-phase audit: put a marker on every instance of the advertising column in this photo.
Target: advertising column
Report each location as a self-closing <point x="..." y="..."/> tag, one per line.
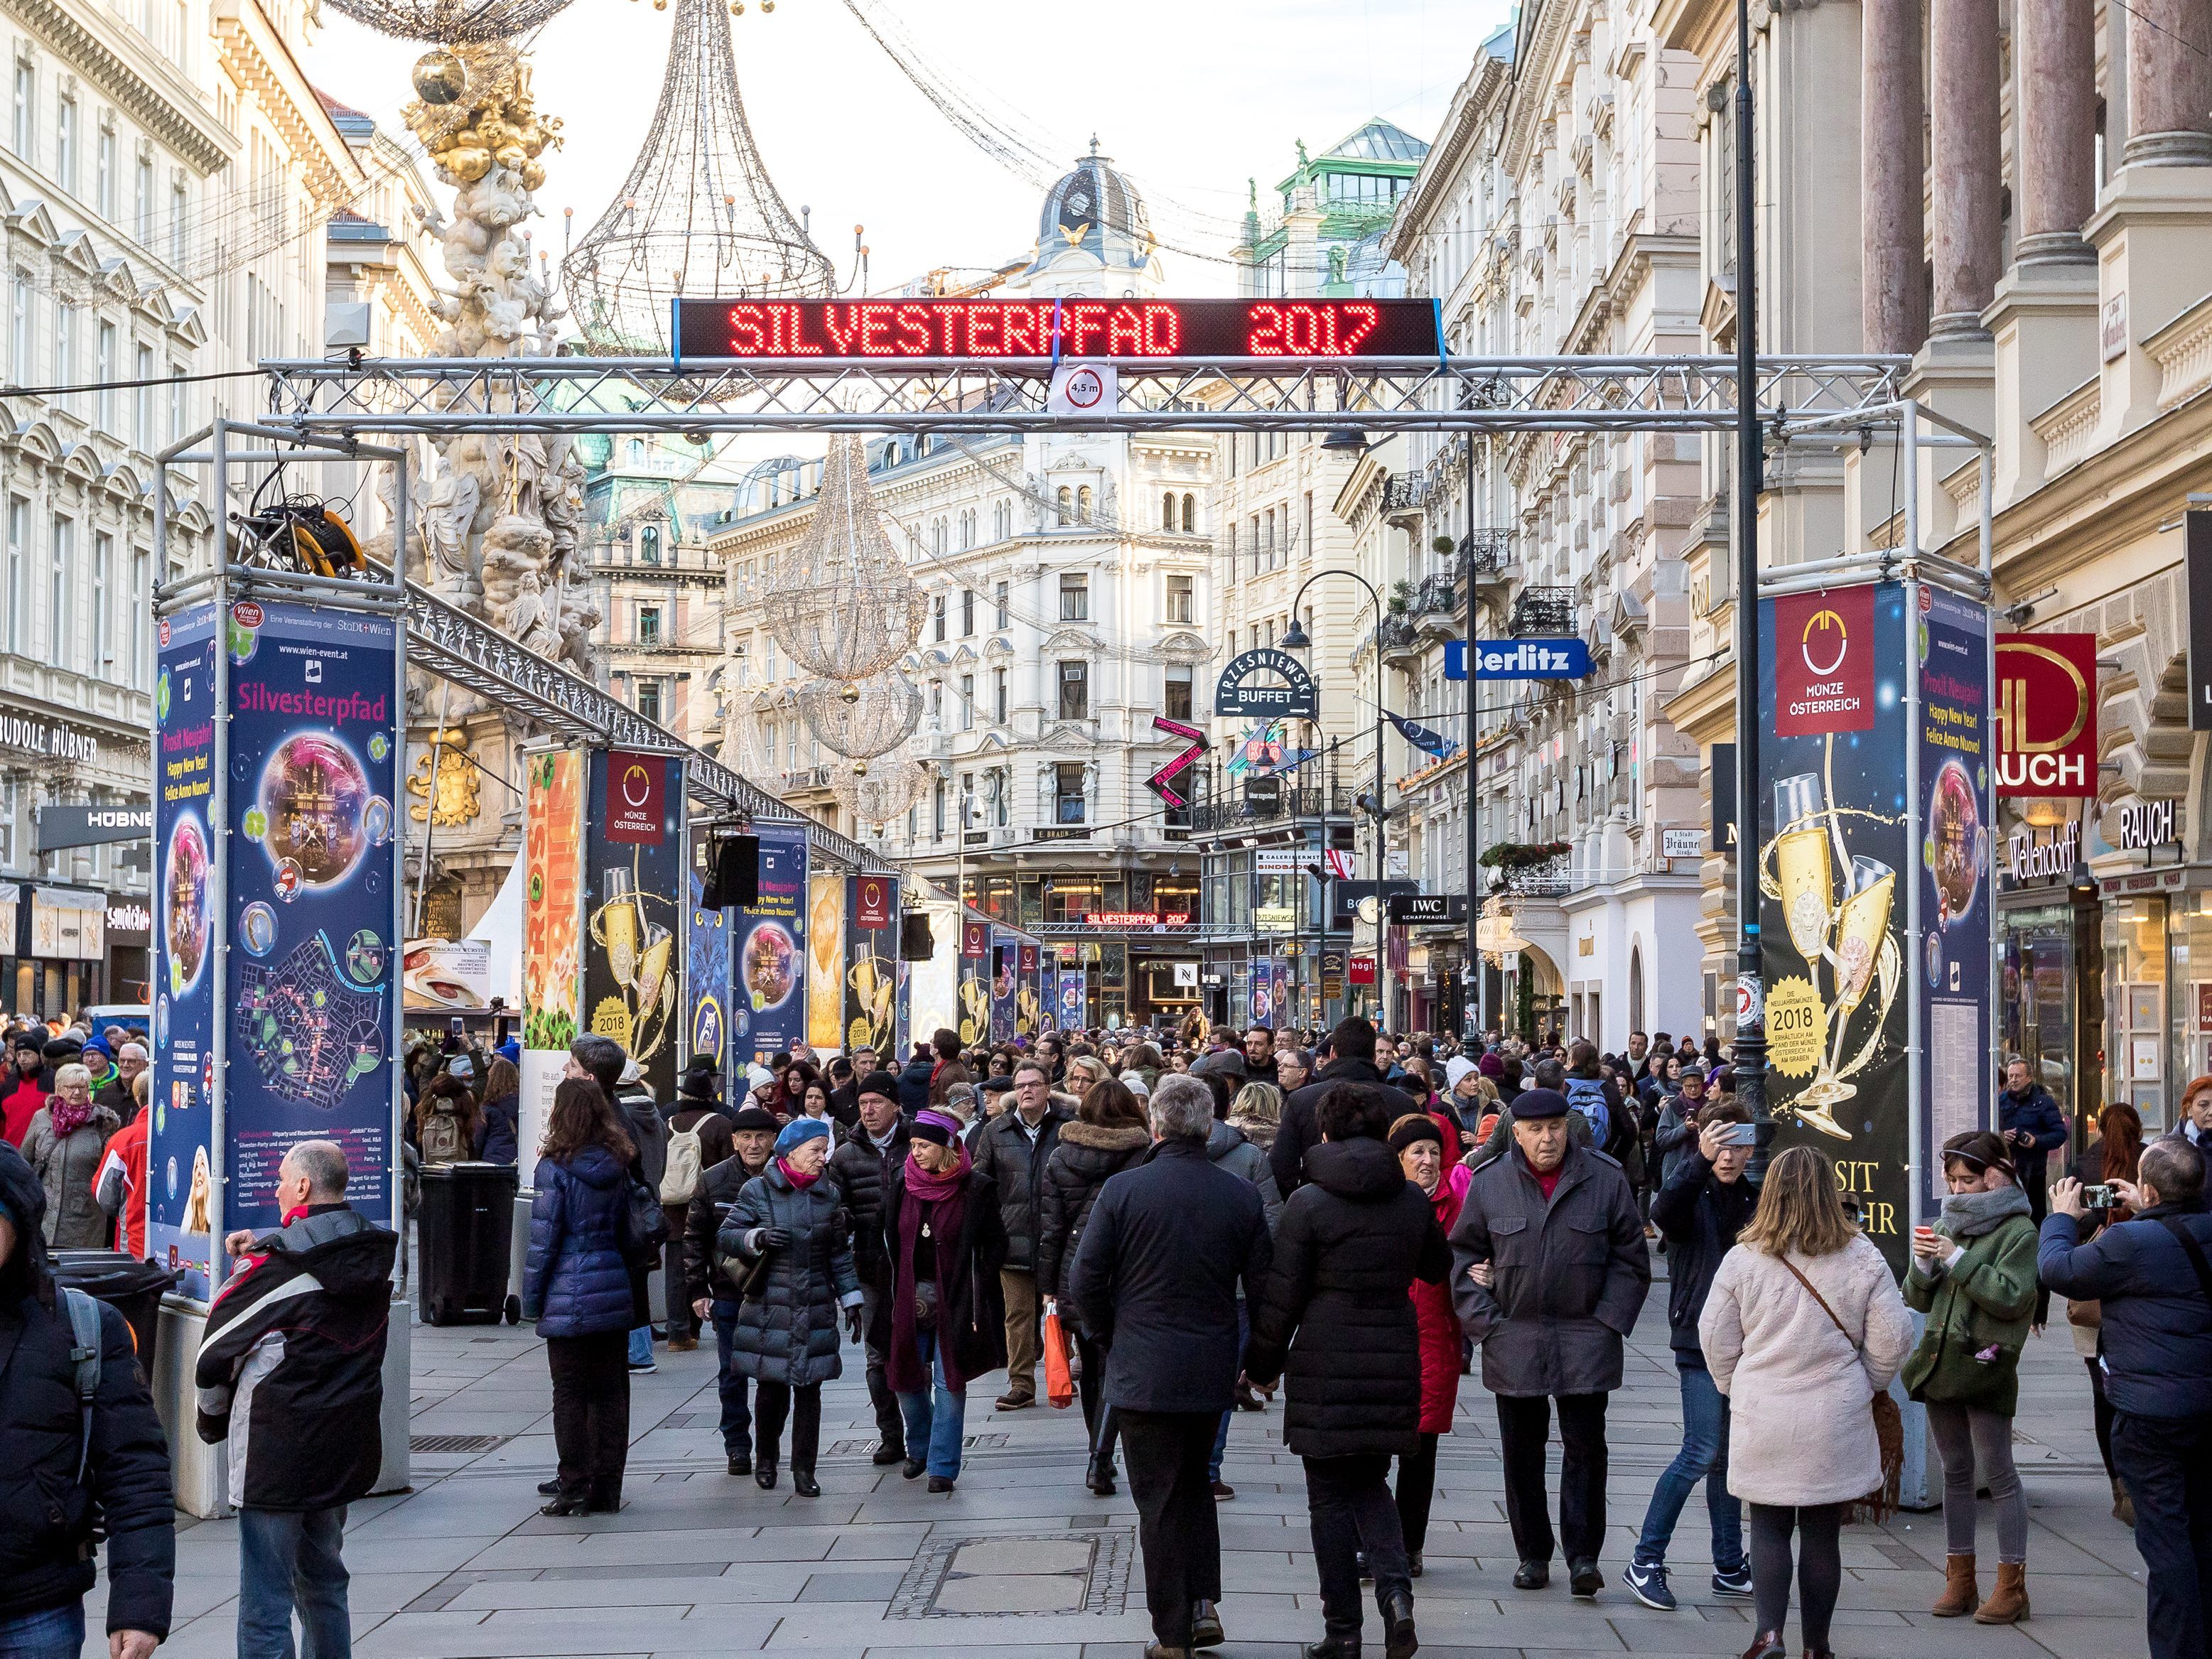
<point x="769" y="947"/>
<point x="871" y="977"/>
<point x="974" y="982"/>
<point x="1029" y="995"/>
<point x="633" y="879"/>
<point x="313" y="883"/>
<point x="552" y="933"/>
<point x="1005" y="966"/>
<point x="180" y="1164"/>
<point x="825" y="963"/>
<point x="1835" y="867"/>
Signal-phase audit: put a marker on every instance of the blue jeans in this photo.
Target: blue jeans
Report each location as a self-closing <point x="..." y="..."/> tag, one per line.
<point x="1704" y="1457"/>
<point x="936" y="1419"/>
<point x="641" y="1345"/>
<point x="50" y="1633"/>
<point x="289" y="1559"/>
<point x="1221" y="1434"/>
<point x="736" y="1415"/>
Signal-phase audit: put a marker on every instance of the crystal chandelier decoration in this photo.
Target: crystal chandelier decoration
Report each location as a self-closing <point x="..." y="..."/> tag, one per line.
<point x="883" y="791"/>
<point x="861" y="719"/>
<point x="698" y="217"/>
<point x="843" y="606"/>
<point x="450" y="23"/>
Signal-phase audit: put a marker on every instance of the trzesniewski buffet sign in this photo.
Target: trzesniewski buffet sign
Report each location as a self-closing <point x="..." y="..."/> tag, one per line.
<point x="1048" y="331"/>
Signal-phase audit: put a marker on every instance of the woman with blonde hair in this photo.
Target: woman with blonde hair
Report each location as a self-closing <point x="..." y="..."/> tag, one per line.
<point x="1803" y="1328"/>
<point x="1257" y="1111"/>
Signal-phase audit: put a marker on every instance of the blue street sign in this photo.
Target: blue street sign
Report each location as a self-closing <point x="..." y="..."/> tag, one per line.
<point x="1519" y="659"/>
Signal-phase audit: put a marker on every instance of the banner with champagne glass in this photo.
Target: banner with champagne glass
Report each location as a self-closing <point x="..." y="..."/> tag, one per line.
<point x="1834" y="869"/>
<point x="634" y="894"/>
<point x="870" y="995"/>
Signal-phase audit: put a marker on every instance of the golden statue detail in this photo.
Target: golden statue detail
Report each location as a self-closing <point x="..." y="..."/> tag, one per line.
<point x="452" y="795"/>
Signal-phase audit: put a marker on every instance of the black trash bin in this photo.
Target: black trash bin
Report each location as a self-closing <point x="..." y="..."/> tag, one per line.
<point x="133" y="1288"/>
<point x="461" y="1235"/>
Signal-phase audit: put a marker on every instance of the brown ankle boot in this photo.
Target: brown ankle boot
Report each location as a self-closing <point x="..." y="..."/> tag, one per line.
<point x="1767" y="1644"/>
<point x="2007" y="1602"/>
<point x="1961" y="1595"/>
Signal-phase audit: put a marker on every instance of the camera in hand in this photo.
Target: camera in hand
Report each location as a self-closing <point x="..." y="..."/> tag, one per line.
<point x="2098" y="1198"/>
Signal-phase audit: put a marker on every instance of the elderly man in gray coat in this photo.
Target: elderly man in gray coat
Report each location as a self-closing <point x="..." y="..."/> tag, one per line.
<point x="1549" y="1271"/>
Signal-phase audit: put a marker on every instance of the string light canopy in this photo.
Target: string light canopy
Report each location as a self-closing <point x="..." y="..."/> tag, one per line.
<point x="843" y="607"/>
<point x="864" y="717"/>
<point x="698" y="216"/>
<point x="450" y="23"/>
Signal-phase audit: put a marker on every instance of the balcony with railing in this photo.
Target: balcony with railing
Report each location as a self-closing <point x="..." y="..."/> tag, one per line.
<point x="1543" y="611"/>
<point x="1231" y="810"/>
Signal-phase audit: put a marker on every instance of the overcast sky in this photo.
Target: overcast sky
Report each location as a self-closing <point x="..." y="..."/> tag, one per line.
<point x="1190" y="96"/>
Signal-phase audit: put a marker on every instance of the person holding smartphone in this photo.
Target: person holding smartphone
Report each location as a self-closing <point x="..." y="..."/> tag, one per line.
<point x="1700" y="1208"/>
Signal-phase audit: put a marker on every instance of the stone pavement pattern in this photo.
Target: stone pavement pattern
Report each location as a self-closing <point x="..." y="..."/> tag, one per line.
<point x="1023" y="1559"/>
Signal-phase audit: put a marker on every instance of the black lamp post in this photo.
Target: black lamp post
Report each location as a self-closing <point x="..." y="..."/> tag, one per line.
<point x="1297" y="640"/>
<point x="1750" y="1058"/>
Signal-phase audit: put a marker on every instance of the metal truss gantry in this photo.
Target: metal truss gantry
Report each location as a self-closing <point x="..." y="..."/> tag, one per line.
<point x="1454" y="394"/>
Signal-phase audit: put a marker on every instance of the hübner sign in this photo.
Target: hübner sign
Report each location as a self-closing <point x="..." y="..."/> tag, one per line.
<point x="49" y="738"/>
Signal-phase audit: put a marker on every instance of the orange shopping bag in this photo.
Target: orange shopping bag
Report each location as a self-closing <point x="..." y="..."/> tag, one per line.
<point x="1059" y="1381"/>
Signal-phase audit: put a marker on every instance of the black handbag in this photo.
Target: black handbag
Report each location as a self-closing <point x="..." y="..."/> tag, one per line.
<point x="645" y="1224"/>
<point x="747" y="1279"/>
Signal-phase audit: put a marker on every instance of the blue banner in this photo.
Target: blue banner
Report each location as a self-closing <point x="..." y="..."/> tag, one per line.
<point x="1005" y="971"/>
<point x="1262" y="992"/>
<point x="707" y="980"/>
<point x="179" y="1170"/>
<point x="1070" y="999"/>
<point x="312" y="978"/>
<point x="770" y="960"/>
<point x="1567" y="659"/>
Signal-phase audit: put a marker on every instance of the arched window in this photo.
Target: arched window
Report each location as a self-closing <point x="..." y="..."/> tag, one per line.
<point x="1067" y="500"/>
<point x="1083" y="504"/>
<point x="648" y="543"/>
<point x="1168" y="511"/>
<point x="637" y="452"/>
<point x="1190" y="515"/>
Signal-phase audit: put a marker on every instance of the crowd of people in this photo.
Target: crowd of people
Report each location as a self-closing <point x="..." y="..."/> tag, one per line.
<point x="73" y="1103"/>
<point x="1192" y="1223"/>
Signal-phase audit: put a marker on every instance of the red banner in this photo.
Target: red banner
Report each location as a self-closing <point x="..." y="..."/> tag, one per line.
<point x="1824" y="662"/>
<point x="2047" y="716"/>
<point x="976" y="939"/>
<point x="872" y="902"/>
<point x="1363" y="970"/>
<point x="636" y="785"/>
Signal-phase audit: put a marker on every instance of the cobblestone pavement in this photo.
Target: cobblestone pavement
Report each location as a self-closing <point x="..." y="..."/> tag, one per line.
<point x="1022" y="1559"/>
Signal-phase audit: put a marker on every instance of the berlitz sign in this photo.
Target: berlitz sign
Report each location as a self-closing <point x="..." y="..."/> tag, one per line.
<point x="1824" y="662"/>
<point x="2046" y="715"/>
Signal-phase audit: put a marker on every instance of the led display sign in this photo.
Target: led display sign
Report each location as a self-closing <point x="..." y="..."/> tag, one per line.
<point x="1048" y="331"/>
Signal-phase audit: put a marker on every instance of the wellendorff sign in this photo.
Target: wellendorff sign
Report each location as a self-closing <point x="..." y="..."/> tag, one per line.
<point x="2028" y="858"/>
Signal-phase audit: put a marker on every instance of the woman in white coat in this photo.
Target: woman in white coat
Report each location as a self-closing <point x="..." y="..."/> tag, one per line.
<point x="1802" y="1327"/>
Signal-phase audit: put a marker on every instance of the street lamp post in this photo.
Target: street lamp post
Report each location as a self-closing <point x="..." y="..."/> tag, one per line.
<point x="1297" y="640"/>
<point x="1750" y="1059"/>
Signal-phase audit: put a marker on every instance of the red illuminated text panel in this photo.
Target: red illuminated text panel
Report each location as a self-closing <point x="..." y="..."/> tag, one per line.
<point x="1041" y="329"/>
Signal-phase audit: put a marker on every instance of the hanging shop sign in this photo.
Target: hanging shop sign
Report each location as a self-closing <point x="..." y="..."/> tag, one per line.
<point x="1051" y="330"/>
<point x="1275" y="918"/>
<point x="2046" y="715"/>
<point x="1243" y="691"/>
<point x="63" y="827"/>
<point x="129" y="920"/>
<point x="1163" y="782"/>
<point x="1564" y="659"/>
<point x="1363" y="970"/>
<point x="1414" y="908"/>
<point x="2048" y="856"/>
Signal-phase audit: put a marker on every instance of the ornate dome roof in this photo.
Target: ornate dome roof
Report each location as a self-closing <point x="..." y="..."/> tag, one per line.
<point x="1097" y="210"/>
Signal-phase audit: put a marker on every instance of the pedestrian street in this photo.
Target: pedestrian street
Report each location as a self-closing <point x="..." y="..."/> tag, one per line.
<point x="1021" y="1559"/>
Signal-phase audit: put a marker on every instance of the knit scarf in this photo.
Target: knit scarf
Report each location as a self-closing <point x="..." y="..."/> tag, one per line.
<point x="944" y="1196"/>
<point x="68" y="1119"/>
<point x="1969" y="1215"/>
<point x="798" y="1183"/>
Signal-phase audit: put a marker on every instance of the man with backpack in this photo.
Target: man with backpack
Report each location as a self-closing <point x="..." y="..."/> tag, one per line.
<point x="1589" y="1093"/>
<point x="81" y="1452"/>
<point x="291" y="1373"/>
<point x="699" y="1137"/>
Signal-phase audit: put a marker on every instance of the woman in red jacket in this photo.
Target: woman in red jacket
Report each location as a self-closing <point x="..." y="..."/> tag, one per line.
<point x="1418" y="1139"/>
<point x="22" y="1092"/>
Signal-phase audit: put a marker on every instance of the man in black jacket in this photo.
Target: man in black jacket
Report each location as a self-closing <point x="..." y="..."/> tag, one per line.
<point x="1156" y="1280"/>
<point x="2153" y="1278"/>
<point x="293" y="1353"/>
<point x="1352" y="1049"/>
<point x="68" y="1470"/>
<point x="861" y="1166"/>
<point x="1701" y="1208"/>
<point x="753" y="1138"/>
<point x="1012" y="1149"/>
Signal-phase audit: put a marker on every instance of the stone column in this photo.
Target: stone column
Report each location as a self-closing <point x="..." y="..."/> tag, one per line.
<point x="1964" y="146"/>
<point x="1891" y="177"/>
<point x="2056" y="45"/>
<point x="2169" y="83"/>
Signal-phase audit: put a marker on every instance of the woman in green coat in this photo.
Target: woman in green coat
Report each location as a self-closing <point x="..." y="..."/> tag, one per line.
<point x="1973" y="1275"/>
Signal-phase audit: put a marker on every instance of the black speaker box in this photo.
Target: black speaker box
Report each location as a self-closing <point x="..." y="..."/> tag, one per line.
<point x="915" y="941"/>
<point x="733" y="874"/>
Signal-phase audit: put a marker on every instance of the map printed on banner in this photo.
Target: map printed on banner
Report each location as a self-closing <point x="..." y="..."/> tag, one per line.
<point x="314" y="880"/>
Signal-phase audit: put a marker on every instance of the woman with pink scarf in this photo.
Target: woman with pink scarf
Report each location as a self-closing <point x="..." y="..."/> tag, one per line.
<point x="1417" y="1139"/>
<point x="63" y="1144"/>
<point x="944" y="1245"/>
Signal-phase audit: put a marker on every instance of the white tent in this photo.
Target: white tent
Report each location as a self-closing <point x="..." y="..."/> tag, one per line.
<point x="500" y="928"/>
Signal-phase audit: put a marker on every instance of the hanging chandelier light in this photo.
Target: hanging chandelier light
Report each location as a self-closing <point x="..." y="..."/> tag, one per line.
<point x="450" y="23"/>
<point x="843" y="606"/>
<point x="877" y="792"/>
<point x="698" y="216"/>
<point x="864" y="717"/>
